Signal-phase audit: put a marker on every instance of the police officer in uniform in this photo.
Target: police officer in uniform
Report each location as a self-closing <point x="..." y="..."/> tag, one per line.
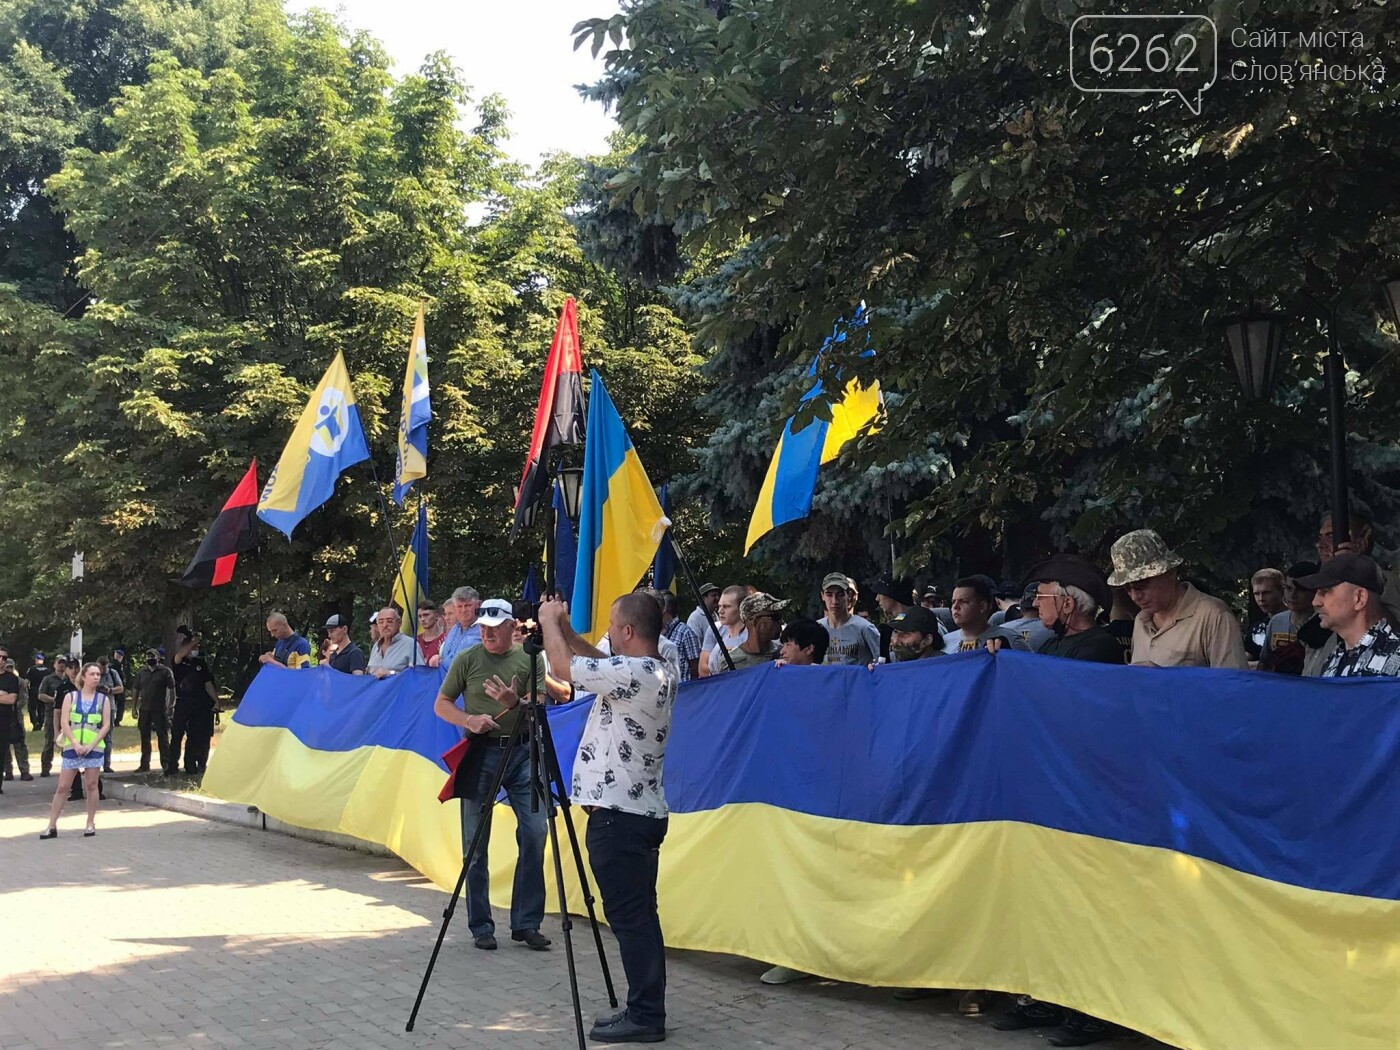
<point x="195" y="699"/>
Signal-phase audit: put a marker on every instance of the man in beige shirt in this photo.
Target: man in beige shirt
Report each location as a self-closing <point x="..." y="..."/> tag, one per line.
<point x="1177" y="625"/>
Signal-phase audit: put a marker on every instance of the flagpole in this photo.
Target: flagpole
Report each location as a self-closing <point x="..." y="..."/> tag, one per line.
<point x="393" y="547"/>
<point x="695" y="588"/>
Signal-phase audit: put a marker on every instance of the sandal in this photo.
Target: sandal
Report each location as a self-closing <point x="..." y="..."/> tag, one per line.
<point x="52" y="833"/>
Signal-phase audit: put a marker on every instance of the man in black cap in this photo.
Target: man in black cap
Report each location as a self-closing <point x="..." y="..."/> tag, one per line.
<point x="1348" y="600"/>
<point x="155" y="695"/>
<point x="341" y="654"/>
<point x="1295" y="632"/>
<point x="1029" y="624"/>
<point x="893" y="597"/>
<point x="195" y="701"/>
<point x="1067" y="599"/>
<point x="915" y="634"/>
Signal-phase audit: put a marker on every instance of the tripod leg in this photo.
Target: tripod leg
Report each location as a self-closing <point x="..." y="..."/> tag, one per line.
<point x="482" y="828"/>
<point x="442" y="934"/>
<point x="556" y="776"/>
<point x="567" y="924"/>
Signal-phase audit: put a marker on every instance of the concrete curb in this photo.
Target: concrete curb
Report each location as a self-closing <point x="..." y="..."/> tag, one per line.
<point x="237" y="813"/>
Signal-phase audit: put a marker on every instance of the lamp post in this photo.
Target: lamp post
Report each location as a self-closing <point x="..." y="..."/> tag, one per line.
<point x="1255" y="340"/>
<point x="569" y="480"/>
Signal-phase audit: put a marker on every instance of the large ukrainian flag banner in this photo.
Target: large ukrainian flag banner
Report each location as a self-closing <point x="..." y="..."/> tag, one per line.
<point x="327" y="439"/>
<point x="1209" y="857"/>
<point x="620" y="522"/>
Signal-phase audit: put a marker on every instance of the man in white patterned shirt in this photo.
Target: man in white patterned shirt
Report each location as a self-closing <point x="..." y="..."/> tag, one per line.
<point x="617" y="779"/>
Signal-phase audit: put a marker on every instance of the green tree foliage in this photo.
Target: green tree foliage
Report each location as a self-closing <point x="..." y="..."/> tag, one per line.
<point x="258" y="198"/>
<point x="1048" y="268"/>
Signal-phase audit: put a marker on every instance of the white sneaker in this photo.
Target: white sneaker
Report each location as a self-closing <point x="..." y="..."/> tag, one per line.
<point x="783" y="975"/>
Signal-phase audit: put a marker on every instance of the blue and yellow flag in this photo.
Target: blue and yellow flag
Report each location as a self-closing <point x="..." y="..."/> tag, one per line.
<point x="415" y="415"/>
<point x="787" y="489"/>
<point x="411" y="584"/>
<point x="663" y="569"/>
<point x="327" y="439"/>
<point x="620" y="523"/>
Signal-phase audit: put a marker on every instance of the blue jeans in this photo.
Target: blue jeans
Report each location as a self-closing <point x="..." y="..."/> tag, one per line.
<point x="527" y="897"/>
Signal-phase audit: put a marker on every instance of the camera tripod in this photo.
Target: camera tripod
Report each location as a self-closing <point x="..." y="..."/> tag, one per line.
<point x="546" y="787"/>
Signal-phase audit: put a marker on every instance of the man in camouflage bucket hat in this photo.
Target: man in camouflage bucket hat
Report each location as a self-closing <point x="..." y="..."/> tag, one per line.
<point x="760" y="615"/>
<point x="1177" y="625"/>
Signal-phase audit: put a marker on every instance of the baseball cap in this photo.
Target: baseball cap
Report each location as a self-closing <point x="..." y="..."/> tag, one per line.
<point x="898" y="590"/>
<point x="761" y="604"/>
<point x="39" y="657"/>
<point x="338" y="621"/>
<point x="836" y="579"/>
<point x="151" y="654"/>
<point x="917" y="618"/>
<point x="1358" y="569"/>
<point x="1299" y="569"/>
<point x="494" y="612"/>
<point x="707" y="588"/>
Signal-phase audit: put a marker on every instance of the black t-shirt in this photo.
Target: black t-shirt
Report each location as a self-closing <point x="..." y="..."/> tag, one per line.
<point x="35" y="676"/>
<point x="191" y="674"/>
<point x="152" y="684"/>
<point x="9" y="683"/>
<point x="1097" y="644"/>
<point x="350" y="659"/>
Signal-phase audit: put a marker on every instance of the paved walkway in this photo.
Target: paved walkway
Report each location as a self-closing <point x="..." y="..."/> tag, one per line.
<point x="166" y="930"/>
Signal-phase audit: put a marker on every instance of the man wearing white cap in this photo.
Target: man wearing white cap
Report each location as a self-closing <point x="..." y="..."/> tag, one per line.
<point x="490" y="678"/>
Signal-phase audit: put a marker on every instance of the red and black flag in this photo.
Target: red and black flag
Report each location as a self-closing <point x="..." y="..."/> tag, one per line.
<point x="232" y="533"/>
<point x="559" y="417"/>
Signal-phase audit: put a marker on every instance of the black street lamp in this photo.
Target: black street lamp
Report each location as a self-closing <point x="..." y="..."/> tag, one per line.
<point x="1392" y="295"/>
<point x="1256" y="342"/>
<point x="571" y="489"/>
<point x="1256" y="348"/>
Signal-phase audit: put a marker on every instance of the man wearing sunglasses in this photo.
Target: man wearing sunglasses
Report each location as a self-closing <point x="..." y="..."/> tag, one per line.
<point x="1177" y="625"/>
<point x="760" y="615"/>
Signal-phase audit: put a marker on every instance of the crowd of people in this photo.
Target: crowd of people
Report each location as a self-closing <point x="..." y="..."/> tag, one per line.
<point x="1333" y="617"/>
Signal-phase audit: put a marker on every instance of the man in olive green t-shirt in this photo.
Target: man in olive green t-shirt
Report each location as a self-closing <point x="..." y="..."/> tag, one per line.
<point x="483" y="676"/>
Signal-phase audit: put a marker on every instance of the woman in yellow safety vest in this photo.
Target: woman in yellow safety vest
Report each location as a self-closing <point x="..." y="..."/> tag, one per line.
<point x="85" y="721"/>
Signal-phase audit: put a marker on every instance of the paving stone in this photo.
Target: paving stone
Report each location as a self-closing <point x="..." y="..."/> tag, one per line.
<point x="170" y="930"/>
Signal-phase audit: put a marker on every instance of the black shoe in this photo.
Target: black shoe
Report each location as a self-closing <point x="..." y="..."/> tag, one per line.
<point x="143" y="769"/>
<point x="46" y="773"/>
<point x="52" y="833"/>
<point x="1036" y="1015"/>
<point x="1081" y="1031"/>
<point x="609" y="1019"/>
<point x="532" y="939"/>
<point x="9" y="775"/>
<point x="486" y="942"/>
<point x="25" y="776"/>
<point x="625" y="1030"/>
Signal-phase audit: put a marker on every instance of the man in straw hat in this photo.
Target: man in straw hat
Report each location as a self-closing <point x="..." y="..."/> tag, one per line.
<point x="1177" y="626"/>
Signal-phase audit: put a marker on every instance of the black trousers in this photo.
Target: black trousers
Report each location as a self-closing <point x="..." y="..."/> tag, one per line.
<point x="194" y="727"/>
<point x="154" y="720"/>
<point x="623" y="850"/>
